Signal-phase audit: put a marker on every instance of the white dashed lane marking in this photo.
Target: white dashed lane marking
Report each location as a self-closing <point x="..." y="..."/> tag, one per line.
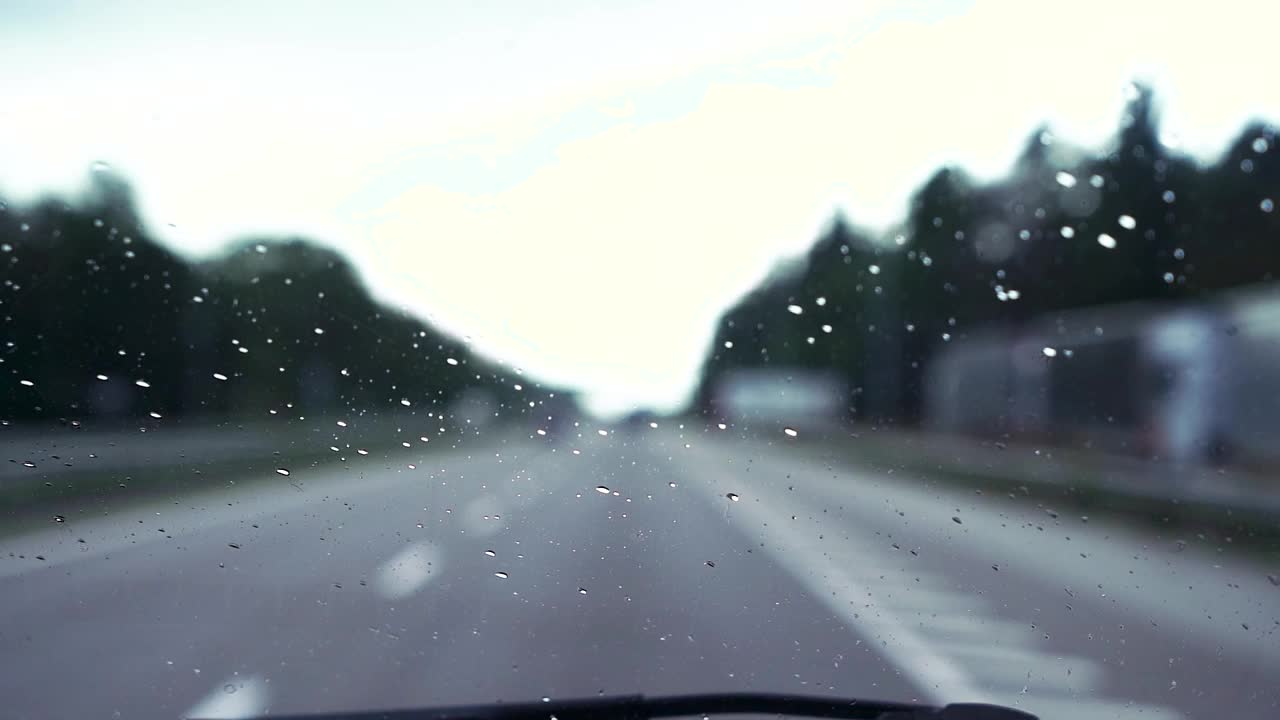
<point x="408" y="570"/>
<point x="236" y="697"/>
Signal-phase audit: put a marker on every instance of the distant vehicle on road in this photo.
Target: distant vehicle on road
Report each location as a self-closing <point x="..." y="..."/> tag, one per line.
<point x="794" y="397"/>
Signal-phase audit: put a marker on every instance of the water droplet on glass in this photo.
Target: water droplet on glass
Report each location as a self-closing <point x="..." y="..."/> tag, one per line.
<point x="795" y="309"/>
<point x="154" y="415"/>
<point x="728" y="344"/>
<point x="500" y="574"/>
<point x="142" y="383"/>
<point x="790" y="432"/>
<point x="27" y="383"/>
<point x="602" y="490"/>
<point x="1049" y="352"/>
<point x="282" y="471"/>
<point x="956" y="520"/>
<point x="1096" y="181"/>
<point x="1068" y="232"/>
<point x="229" y="689"/>
<point x="671" y="484"/>
<point x="1267" y="205"/>
<point x="826" y="328"/>
<point x="318" y="331"/>
<point x="733" y="497"/>
<point x="1106" y="241"/>
<point x="1065" y="179"/>
<point x="874" y="269"/>
<point x="582" y="591"/>
<point x="59" y="518"/>
<point x="1260" y="145"/>
<point x="1127" y="222"/>
<point x="1168" y="196"/>
<point x="1168" y="278"/>
<point x="491" y="553"/>
<point x="602" y="433"/>
<point x="219" y="376"/>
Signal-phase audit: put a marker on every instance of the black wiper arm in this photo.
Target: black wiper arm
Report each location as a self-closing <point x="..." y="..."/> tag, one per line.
<point x="639" y="707"/>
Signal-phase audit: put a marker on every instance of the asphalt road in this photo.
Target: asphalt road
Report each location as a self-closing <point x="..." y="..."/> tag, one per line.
<point x="521" y="569"/>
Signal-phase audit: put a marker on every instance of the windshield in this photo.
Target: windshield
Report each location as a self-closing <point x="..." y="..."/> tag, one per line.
<point x="356" y="358"/>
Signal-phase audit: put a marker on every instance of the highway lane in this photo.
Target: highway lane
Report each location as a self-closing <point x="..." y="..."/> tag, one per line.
<point x="522" y="569"/>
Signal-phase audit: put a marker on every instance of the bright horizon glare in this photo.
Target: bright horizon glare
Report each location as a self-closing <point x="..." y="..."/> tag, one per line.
<point x="582" y="191"/>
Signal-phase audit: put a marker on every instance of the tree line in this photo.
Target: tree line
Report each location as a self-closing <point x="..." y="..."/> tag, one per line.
<point x="100" y="321"/>
<point x="1066" y="228"/>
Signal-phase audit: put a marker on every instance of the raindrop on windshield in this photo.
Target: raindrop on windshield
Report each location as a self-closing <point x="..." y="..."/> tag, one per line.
<point x="219" y="376"/>
<point x="1106" y="241"/>
<point x="795" y="309"/>
<point x="142" y="383"/>
<point x="1127" y="222"/>
<point x="1260" y="145"/>
<point x="491" y="553"/>
<point x="1049" y="352"/>
<point x="1068" y="232"/>
<point x="1065" y="179"/>
<point x="582" y="591"/>
<point x="602" y="490"/>
<point x="790" y="432"/>
<point x="282" y="471"/>
<point x="1267" y="205"/>
<point x="500" y="574"/>
<point x="733" y="497"/>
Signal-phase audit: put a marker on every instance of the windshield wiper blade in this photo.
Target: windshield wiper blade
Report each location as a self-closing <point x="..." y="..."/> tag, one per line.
<point x="639" y="707"/>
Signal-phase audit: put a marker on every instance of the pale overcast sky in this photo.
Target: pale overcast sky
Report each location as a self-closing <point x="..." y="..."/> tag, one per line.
<point x="582" y="187"/>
